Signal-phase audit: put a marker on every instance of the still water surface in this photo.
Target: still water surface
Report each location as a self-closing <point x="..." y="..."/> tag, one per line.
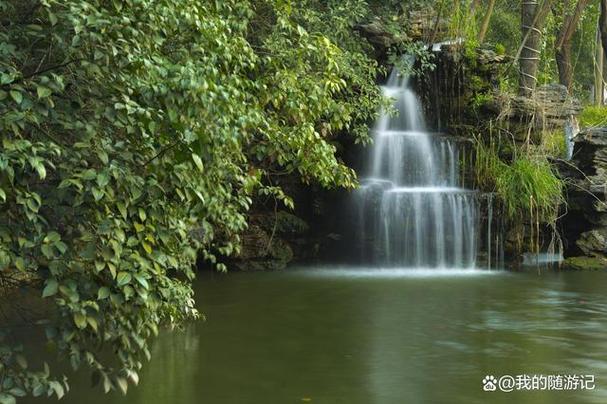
<point x="370" y="336"/>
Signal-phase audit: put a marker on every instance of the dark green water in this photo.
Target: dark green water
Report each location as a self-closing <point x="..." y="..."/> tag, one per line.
<point x="376" y="337"/>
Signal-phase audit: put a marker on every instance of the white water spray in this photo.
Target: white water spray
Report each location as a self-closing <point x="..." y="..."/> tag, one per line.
<point x="412" y="209"/>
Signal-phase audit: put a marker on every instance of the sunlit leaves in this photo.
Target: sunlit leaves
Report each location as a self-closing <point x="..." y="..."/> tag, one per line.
<point x="140" y="142"/>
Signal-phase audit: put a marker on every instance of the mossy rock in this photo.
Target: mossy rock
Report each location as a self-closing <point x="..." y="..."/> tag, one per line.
<point x="585" y="264"/>
<point x="280" y="250"/>
<point x="289" y="224"/>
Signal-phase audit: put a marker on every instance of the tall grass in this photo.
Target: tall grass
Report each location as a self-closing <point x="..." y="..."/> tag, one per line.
<point x="593" y="115"/>
<point x="527" y="186"/>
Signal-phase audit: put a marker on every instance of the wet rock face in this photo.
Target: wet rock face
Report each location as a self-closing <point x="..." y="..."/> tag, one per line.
<point x="594" y="242"/>
<point x="271" y="242"/>
<point x="378" y="34"/>
<point x="420" y="25"/>
<point x="585" y="225"/>
<point x="584" y="264"/>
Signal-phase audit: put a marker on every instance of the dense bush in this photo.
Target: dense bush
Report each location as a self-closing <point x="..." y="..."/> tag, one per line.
<point x="135" y="135"/>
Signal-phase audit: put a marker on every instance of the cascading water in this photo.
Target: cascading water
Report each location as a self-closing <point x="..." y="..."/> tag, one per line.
<point x="412" y="208"/>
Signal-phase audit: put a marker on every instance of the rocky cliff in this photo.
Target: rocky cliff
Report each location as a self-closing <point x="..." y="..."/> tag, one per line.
<point x="585" y="225"/>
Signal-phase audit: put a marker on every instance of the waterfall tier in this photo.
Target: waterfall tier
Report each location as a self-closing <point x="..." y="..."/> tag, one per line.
<point x="413" y="211"/>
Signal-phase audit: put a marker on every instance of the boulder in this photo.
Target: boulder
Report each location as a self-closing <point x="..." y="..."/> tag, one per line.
<point x="548" y="109"/>
<point x="584" y="263"/>
<point x="593" y="243"/>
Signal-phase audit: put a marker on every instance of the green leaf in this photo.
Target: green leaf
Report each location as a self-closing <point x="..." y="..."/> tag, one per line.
<point x="43" y="92"/>
<point x="80" y="320"/>
<point x="58" y="389"/>
<point x="47" y="251"/>
<point x="61" y="246"/>
<point x="122" y="384"/>
<point x="198" y="162"/>
<point x="92" y="322"/>
<point x="17" y="392"/>
<point x="52" y="237"/>
<point x="142" y="281"/>
<point x="147" y="247"/>
<point x="39" y="167"/>
<point x="97" y="194"/>
<point x="17" y="96"/>
<point x="51" y="288"/>
<point x="103" y="179"/>
<point x="20" y="264"/>
<point x="122" y="210"/>
<point x="103" y="156"/>
<point x="89" y="174"/>
<point x="123" y="278"/>
<point x="21" y="361"/>
<point x="2" y="195"/>
<point x="103" y="293"/>
<point x="52" y="18"/>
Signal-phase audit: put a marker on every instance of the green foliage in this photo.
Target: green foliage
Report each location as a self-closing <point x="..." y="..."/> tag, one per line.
<point x="505" y="29"/>
<point x="593" y="116"/>
<point x="554" y="143"/>
<point x="419" y="59"/>
<point x="530" y="185"/>
<point x="526" y="186"/>
<point x="500" y="49"/>
<point x="478" y="101"/>
<point x="136" y="135"/>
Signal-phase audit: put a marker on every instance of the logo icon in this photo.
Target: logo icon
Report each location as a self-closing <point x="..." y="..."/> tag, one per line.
<point x="489" y="383"/>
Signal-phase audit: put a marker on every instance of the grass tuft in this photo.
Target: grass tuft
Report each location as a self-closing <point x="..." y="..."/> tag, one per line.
<point x="527" y="187"/>
<point x="593" y="116"/>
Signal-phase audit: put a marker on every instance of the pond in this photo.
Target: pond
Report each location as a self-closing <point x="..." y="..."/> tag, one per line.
<point x="373" y="336"/>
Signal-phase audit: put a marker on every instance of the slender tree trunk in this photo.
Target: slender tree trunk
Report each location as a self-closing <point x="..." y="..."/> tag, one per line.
<point x="486" y="20"/>
<point x="565" y="68"/>
<point x="533" y="16"/>
<point x="563" y="44"/>
<point x="598" y="70"/>
<point x="603" y="25"/>
<point x="603" y="35"/>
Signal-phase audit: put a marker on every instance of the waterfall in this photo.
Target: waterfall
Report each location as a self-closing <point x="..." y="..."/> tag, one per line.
<point x="412" y="210"/>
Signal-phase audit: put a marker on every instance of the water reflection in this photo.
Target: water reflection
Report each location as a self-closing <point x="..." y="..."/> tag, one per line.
<point x="338" y="336"/>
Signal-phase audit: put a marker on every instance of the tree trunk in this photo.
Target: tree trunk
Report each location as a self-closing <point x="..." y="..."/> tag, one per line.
<point x="563" y="44"/>
<point x="565" y="68"/>
<point x="486" y="20"/>
<point x="533" y="16"/>
<point x="603" y="36"/>
<point x="603" y="25"/>
<point x="598" y="70"/>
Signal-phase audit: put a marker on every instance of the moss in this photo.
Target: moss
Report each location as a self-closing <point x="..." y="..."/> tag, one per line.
<point x="289" y="224"/>
<point x="593" y="115"/>
<point x="585" y="264"/>
<point x="500" y="49"/>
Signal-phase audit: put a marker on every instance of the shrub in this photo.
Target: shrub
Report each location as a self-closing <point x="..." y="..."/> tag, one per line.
<point x="135" y="135"/>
